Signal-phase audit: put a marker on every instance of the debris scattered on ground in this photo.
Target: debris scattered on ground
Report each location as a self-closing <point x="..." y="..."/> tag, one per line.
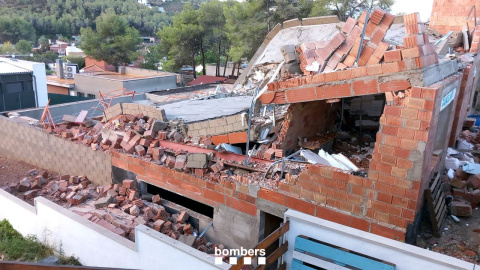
<point x="117" y="207"/>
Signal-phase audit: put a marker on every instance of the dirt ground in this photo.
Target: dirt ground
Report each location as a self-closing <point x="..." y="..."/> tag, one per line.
<point x="460" y="240"/>
<point x="12" y="171"/>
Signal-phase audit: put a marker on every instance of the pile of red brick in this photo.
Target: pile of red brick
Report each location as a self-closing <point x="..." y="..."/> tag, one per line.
<point x="141" y="136"/>
<point x="465" y="189"/>
<point x="132" y="133"/>
<point x="117" y="207"/>
<point x="341" y="52"/>
<point x="376" y="57"/>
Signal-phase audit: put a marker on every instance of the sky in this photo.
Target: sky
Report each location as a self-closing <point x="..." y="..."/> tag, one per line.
<point x="410" y="6"/>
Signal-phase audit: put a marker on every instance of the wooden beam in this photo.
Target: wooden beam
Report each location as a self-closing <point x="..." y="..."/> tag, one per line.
<point x="274" y="256"/>
<point x="265" y="243"/>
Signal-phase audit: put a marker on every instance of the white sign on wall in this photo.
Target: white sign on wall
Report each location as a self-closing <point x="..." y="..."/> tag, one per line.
<point x="446" y="100"/>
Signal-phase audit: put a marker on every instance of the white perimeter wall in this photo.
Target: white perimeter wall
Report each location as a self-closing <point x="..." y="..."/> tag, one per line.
<point x="404" y="256"/>
<point x="97" y="246"/>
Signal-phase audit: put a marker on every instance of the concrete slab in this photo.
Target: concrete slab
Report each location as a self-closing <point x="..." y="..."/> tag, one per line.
<point x="294" y="35"/>
<point x="199" y="110"/>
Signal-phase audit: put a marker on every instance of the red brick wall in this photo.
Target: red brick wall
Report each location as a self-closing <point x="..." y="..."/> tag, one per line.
<point x="305" y="120"/>
<point x="319" y="191"/>
<point x="401" y="164"/>
<point x="451" y="15"/>
<point x="384" y="203"/>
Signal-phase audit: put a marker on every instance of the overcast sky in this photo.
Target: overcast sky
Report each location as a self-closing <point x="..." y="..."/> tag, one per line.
<point x="410" y="6"/>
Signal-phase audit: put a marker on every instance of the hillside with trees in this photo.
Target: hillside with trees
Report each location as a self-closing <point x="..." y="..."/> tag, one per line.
<point x="190" y="33"/>
<point x="30" y="19"/>
<point x="214" y="32"/>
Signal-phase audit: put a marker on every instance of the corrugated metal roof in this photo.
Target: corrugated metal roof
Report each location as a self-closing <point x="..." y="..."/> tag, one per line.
<point x="8" y="68"/>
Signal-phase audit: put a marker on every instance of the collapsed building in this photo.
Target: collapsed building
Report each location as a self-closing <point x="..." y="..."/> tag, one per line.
<point x="348" y="122"/>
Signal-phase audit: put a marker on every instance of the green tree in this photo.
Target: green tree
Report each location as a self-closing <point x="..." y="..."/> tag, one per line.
<point x="23" y="47"/>
<point x="348" y="8"/>
<point x="246" y="27"/>
<point x="182" y="40"/>
<point x="212" y="19"/>
<point x="152" y="57"/>
<point x="7" y="48"/>
<point x="67" y="17"/>
<point x="286" y="10"/>
<point x="43" y="43"/>
<point x="320" y="8"/>
<point x="80" y="61"/>
<point x="113" y="41"/>
<point x="15" y="28"/>
<point x="48" y="57"/>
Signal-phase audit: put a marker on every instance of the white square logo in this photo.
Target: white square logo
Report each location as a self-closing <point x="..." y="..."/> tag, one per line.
<point x="261" y="261"/>
<point x="247" y="260"/>
<point x="233" y="260"/>
<point x="218" y="260"/>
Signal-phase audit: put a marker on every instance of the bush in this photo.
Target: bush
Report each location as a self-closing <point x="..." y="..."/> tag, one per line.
<point x="15" y="247"/>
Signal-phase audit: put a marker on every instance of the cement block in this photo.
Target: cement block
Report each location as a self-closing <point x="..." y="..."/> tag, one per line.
<point x="231" y="119"/>
<point x="197" y="160"/>
<point x="271" y="207"/>
<point x="204" y="124"/>
<point x="438" y="72"/>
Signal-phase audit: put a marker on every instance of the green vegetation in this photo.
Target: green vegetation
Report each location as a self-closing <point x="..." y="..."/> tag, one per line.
<point x="113" y="41"/>
<point x="23" y="47"/>
<point x="190" y="33"/>
<point x="7" y="48"/>
<point x="234" y="30"/>
<point x="28" y="19"/>
<point x="15" y="247"/>
<point x="80" y="61"/>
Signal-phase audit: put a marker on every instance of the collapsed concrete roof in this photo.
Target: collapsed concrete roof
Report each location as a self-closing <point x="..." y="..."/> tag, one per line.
<point x="202" y="109"/>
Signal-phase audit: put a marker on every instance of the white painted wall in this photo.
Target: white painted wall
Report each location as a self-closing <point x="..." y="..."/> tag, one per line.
<point x="404" y="256"/>
<point x="40" y="82"/>
<point x="97" y="246"/>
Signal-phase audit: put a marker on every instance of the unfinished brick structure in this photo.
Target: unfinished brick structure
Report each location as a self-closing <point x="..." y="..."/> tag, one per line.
<point x="451" y="15"/>
<point x="409" y="146"/>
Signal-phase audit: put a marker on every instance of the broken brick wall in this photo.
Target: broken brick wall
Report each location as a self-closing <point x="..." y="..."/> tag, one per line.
<point x="236" y="219"/>
<point x="305" y="120"/>
<point x="385" y="203"/>
<point x="401" y="167"/>
<point x="451" y="15"/>
<point x="36" y="147"/>
<point x="465" y="98"/>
